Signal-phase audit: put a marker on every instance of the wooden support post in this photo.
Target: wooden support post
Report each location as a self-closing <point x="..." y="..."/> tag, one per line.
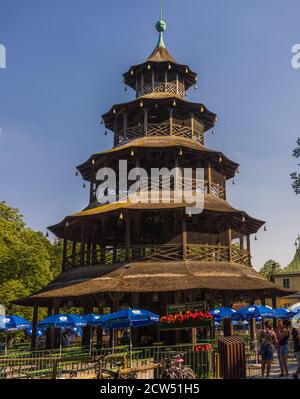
<point x="142" y="83"/>
<point x="145" y="121"/>
<point x="184" y="236"/>
<point x="227" y="327"/>
<point x="229" y="233"/>
<point x="209" y="178"/>
<point x="194" y="336"/>
<point x="65" y="246"/>
<point x="192" y="125"/>
<point x="74" y="247"/>
<point x="171" y="120"/>
<point x="248" y="243"/>
<point x="34" y="326"/>
<point x="177" y="85"/>
<point x="166" y="79"/>
<point x="252" y="323"/>
<point x="125" y="126"/>
<point x="48" y="331"/>
<point x="127" y="237"/>
<point x="153" y="80"/>
<point x="102" y="242"/>
<point x="82" y="245"/>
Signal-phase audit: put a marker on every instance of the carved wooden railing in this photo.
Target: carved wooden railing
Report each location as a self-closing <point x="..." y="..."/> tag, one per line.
<point x="158" y="253"/>
<point x="160" y="129"/>
<point x="161" y="87"/>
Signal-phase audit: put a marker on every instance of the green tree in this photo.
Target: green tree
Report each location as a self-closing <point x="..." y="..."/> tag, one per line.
<point x="270" y="267"/>
<point x="295" y="176"/>
<point x="28" y="260"/>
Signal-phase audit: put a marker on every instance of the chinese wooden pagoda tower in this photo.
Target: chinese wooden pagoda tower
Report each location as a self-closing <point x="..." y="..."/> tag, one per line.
<point x="152" y="255"/>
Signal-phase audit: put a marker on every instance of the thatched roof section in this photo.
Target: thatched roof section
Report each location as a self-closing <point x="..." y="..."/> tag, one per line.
<point x="192" y="147"/>
<point x="153" y="277"/>
<point x="199" y="110"/>
<point x="161" y="54"/>
<point x="213" y="205"/>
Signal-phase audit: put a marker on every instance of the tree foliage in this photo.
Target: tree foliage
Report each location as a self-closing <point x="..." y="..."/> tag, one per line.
<point x="28" y="260"/>
<point x="295" y="176"/>
<point x="270" y="267"/>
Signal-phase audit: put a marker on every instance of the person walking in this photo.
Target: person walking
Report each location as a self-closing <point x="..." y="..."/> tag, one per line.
<point x="267" y="340"/>
<point x="283" y="334"/>
<point x="296" y="341"/>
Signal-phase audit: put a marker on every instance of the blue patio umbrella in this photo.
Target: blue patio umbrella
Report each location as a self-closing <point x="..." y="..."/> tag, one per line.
<point x="249" y="312"/>
<point x="222" y="312"/>
<point x="62" y="321"/>
<point x="11" y="323"/>
<point x="77" y="331"/>
<point x="130" y="318"/>
<point x="295" y="309"/>
<point x="283" y="313"/>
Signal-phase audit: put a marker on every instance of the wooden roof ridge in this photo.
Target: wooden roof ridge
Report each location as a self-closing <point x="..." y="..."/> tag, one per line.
<point x="160" y="54"/>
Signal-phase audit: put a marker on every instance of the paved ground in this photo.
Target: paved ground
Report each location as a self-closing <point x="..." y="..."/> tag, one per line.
<point x="254" y="372"/>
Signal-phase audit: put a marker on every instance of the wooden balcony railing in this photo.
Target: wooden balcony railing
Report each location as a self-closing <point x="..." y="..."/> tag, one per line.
<point x="158" y="253"/>
<point x="161" y="87"/>
<point x="160" y="129"/>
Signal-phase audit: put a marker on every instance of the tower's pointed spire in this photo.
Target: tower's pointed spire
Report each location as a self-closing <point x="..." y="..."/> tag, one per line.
<point x="161" y="26"/>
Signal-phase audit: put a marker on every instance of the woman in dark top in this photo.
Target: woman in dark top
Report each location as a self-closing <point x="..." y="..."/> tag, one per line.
<point x="283" y="335"/>
<point x="296" y="340"/>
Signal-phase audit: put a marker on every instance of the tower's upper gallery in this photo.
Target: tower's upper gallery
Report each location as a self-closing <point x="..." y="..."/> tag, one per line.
<point x="160" y="73"/>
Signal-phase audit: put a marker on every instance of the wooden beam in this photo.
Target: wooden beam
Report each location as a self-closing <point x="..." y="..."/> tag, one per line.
<point x="34" y="325"/>
<point x="184" y="236"/>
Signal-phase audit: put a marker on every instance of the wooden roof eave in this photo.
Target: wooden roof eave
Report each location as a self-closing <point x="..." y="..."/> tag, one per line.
<point x="208" y="117"/>
<point x="85" y="169"/>
<point x="249" y="225"/>
<point x="130" y="80"/>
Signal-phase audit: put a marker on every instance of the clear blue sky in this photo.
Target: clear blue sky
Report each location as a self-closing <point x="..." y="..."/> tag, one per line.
<point x="65" y="59"/>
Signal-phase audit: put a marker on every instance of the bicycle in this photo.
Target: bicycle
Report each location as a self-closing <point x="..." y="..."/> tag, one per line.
<point x="174" y="368"/>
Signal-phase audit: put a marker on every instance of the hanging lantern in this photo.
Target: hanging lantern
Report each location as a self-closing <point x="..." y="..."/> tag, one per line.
<point x="141" y="104"/>
<point x="67" y="224"/>
<point x="131" y="72"/>
<point x="220" y="158"/>
<point x="83" y="185"/>
<point x="76" y="173"/>
<point x="105" y="133"/>
<point x="233" y="181"/>
<point x="255" y="238"/>
<point x="180" y="152"/>
<point x="102" y="121"/>
<point x="185" y="94"/>
<point x="186" y="70"/>
<point x="121" y="217"/>
<point x="196" y="78"/>
<point x="195" y="87"/>
<point x="243" y="219"/>
<point x="132" y="153"/>
<point x="238" y="170"/>
<point x="201" y="109"/>
<point x="114" y="111"/>
<point x="216" y="119"/>
<point x="169" y="66"/>
<point x="213" y="131"/>
<point x="148" y="66"/>
<point x="265" y="227"/>
<point x="93" y="161"/>
<point x="174" y="103"/>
